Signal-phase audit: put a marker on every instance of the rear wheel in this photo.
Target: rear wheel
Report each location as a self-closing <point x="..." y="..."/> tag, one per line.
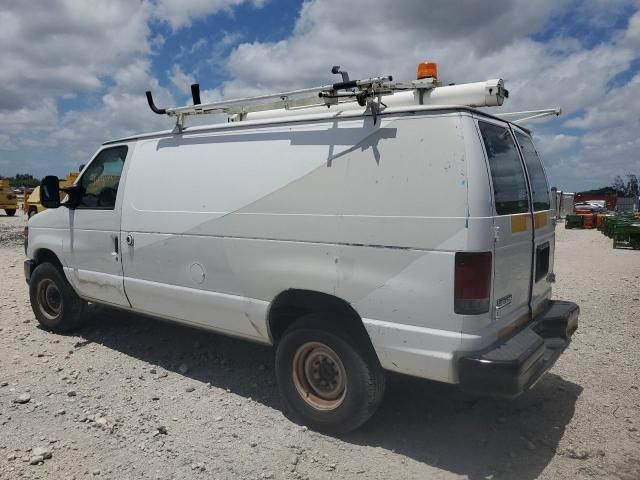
<point x="10" y="211"/>
<point x="329" y="380"/>
<point x="55" y="305"/>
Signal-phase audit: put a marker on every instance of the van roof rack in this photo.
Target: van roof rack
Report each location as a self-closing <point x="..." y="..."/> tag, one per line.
<point x="527" y="115"/>
<point x="367" y="93"/>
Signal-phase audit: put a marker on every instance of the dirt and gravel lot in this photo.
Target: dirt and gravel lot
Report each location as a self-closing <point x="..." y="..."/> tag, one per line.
<point x="128" y="397"/>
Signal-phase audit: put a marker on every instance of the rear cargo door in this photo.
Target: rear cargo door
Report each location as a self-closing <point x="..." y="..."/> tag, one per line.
<point x="543" y="227"/>
<point x="512" y="223"/>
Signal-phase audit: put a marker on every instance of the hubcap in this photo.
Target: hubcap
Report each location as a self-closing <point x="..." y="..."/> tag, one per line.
<point x="49" y="299"/>
<point x="319" y="376"/>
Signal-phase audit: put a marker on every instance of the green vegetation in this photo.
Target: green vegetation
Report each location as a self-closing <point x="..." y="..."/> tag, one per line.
<point x="619" y="187"/>
<point x="22" y="180"/>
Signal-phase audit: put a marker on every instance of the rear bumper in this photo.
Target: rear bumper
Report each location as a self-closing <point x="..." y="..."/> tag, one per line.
<point x="511" y="366"/>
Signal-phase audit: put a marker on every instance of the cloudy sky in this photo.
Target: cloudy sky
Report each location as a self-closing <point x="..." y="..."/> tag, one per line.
<point x="73" y="72"/>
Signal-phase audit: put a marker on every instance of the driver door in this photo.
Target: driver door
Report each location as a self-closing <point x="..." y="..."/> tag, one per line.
<point x="92" y="250"/>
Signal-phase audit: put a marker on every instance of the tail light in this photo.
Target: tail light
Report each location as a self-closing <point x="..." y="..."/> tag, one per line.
<point x="26" y="238"/>
<point x="472" y="290"/>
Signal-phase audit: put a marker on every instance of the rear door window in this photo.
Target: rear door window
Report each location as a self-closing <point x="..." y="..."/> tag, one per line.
<point x="509" y="183"/>
<point x="537" y="179"/>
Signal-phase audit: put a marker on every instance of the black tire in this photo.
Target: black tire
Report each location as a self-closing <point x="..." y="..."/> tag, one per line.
<point x="364" y="378"/>
<point x="55" y="305"/>
<point x="10" y="211"/>
<point x="32" y="212"/>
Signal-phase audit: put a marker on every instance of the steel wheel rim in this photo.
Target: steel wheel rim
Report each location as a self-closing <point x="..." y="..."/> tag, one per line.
<point x="49" y="299"/>
<point x="319" y="376"/>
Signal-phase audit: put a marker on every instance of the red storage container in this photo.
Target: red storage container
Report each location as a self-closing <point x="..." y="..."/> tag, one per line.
<point x="588" y="220"/>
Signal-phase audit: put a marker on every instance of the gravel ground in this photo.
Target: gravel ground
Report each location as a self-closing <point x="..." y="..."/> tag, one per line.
<point x="131" y="397"/>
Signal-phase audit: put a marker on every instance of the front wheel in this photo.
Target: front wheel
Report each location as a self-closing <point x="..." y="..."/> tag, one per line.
<point x="330" y="381"/>
<point x="56" y="306"/>
<point x="10" y="211"/>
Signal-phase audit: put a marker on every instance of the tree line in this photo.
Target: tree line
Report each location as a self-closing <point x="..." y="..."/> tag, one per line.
<point x="630" y="188"/>
<point x="620" y="187"/>
<point x="22" y="180"/>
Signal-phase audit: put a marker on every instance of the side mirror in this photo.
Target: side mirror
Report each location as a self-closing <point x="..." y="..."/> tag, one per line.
<point x="50" y="192"/>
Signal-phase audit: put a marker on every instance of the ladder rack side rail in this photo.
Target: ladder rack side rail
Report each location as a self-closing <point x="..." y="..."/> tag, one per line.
<point x="526" y="113"/>
<point x="189" y="109"/>
<point x="531" y="117"/>
<point x="379" y="82"/>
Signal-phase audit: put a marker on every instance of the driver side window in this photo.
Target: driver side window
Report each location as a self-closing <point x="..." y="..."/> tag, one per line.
<point x="99" y="183"/>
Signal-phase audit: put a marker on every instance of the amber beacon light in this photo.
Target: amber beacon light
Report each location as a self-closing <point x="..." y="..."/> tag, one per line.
<point x="427" y="70"/>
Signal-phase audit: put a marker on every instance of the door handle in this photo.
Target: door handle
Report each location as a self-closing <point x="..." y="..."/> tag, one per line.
<point x="116" y="248"/>
<point x="129" y="240"/>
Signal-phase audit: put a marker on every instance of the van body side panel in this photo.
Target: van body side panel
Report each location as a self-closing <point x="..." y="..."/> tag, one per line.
<point x="180" y="240"/>
<point x="370" y="214"/>
<point x="49" y="232"/>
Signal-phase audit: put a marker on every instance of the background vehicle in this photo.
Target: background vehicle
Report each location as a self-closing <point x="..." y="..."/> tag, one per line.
<point x="8" y="199"/>
<point x="325" y="235"/>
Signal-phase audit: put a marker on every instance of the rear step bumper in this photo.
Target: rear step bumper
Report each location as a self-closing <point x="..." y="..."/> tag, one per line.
<point x="511" y="366"/>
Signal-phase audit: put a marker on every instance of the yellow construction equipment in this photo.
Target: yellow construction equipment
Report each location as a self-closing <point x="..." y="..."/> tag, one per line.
<point x="8" y="199"/>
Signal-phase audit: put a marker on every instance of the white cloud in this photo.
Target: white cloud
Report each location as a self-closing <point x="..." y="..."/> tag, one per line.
<point x="66" y="47"/>
<point x="181" y="13"/>
<point x="181" y="80"/>
<point x="616" y="110"/>
<point x="470" y="41"/>
<point x="555" y="143"/>
<point x="97" y="55"/>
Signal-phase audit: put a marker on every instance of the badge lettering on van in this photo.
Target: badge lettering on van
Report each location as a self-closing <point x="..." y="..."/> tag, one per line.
<point x="504" y="301"/>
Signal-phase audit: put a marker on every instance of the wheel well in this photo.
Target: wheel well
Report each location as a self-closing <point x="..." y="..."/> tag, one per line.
<point x="44" y="255"/>
<point x="292" y="304"/>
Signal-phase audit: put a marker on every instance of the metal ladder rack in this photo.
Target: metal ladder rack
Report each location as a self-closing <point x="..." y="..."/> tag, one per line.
<point x="367" y="92"/>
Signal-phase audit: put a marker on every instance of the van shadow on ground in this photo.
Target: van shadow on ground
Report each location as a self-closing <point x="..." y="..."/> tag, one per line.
<point x="428" y="422"/>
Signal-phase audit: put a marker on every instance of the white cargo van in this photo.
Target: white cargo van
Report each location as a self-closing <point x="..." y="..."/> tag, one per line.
<point x="389" y="233"/>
